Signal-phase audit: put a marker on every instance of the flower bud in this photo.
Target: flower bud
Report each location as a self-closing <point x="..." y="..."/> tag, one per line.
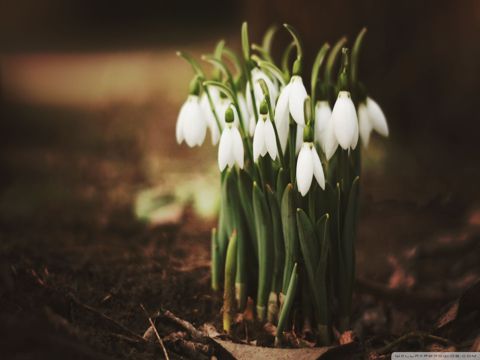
<point x="264" y="107"/>
<point x="229" y="115"/>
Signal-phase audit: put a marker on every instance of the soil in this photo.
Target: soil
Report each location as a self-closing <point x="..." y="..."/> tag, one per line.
<point x="76" y="265"/>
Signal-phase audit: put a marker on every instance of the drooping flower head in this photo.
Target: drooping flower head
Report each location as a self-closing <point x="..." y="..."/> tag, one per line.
<point x="191" y="123"/>
<point x="371" y="117"/>
<point x="308" y="164"/>
<point x="230" y="149"/>
<point x="264" y="137"/>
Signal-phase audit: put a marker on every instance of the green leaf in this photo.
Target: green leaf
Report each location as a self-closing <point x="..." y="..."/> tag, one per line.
<point x="349" y="229"/>
<point x="355" y="55"/>
<point x="296" y="39"/>
<point x="286" y="59"/>
<point x="332" y="58"/>
<point x="245" y="42"/>
<point x="245" y="191"/>
<point x="216" y="268"/>
<point x="265" y="249"/>
<point x="308" y="244"/>
<point x="268" y="39"/>
<point x="217" y="54"/>
<point x="278" y="242"/>
<point x="289" y="223"/>
<point x="287" y="304"/>
<point x="229" y="286"/>
<point x="282" y="181"/>
<point x="316" y="68"/>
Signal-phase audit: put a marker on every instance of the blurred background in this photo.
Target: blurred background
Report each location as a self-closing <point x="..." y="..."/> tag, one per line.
<point x="90" y="92"/>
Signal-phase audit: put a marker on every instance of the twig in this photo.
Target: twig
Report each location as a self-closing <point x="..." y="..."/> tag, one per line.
<point x="196" y="334"/>
<point x="162" y="346"/>
<point x="105" y="317"/>
<point x="412" y="335"/>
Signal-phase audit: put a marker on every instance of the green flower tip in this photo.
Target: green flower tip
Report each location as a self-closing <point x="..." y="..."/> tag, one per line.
<point x="195" y="86"/>
<point x="229" y="115"/>
<point x="263" y="107"/>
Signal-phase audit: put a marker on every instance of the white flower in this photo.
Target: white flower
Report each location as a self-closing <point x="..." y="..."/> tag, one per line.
<point x="343" y="126"/>
<point x="371" y="117"/>
<point x="191" y="123"/>
<point x="210" y="116"/>
<point x="230" y="149"/>
<point x="258" y="74"/>
<point x="264" y="139"/>
<point x="291" y="101"/>
<point x="323" y="114"/>
<point x="308" y="166"/>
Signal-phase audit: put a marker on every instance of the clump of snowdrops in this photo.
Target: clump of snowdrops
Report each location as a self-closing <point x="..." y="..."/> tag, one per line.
<point x="289" y="164"/>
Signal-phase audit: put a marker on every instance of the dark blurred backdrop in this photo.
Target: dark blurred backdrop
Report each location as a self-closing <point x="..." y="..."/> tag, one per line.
<point x="420" y="61"/>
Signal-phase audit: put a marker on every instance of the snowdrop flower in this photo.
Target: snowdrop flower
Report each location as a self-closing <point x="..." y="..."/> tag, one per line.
<point x="264" y="137"/>
<point x="230" y="149"/>
<point x="290" y="101"/>
<point x="191" y="122"/>
<point x="343" y="126"/>
<point x="371" y="117"/>
<point x="323" y="114"/>
<point x="209" y="115"/>
<point x="258" y="74"/>
<point x="308" y="166"/>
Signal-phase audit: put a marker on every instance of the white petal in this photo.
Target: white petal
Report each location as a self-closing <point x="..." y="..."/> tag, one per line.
<point x="344" y="119"/>
<point x="258" y="74"/>
<point x="225" y="148"/>
<point x="210" y="118"/>
<point x="237" y="144"/>
<point x="249" y="99"/>
<point x="299" y="139"/>
<point x="323" y="114"/>
<point x="331" y="143"/>
<point x="377" y="118"/>
<point x="296" y="101"/>
<point x="364" y="124"/>
<point x="282" y="116"/>
<point x="317" y="168"/>
<point x="259" y="147"/>
<point x="197" y="128"/>
<point x="270" y="140"/>
<point x="304" y="169"/>
<point x="180" y="123"/>
<point x="355" y="137"/>
<point x="251" y="126"/>
<point x="243" y="110"/>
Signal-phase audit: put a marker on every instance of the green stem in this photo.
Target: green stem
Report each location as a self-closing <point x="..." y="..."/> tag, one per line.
<point x="229" y="288"/>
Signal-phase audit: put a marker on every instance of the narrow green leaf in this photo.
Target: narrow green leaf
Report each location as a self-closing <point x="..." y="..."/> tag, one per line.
<point x="245" y="185"/>
<point x="287" y="304"/>
<point x="229" y="286"/>
<point x="355" y="55"/>
<point x="265" y="249"/>
<point x="216" y="269"/>
<point x="268" y="38"/>
<point x="296" y="39"/>
<point x="316" y="68"/>
<point x="332" y="58"/>
<point x="245" y="42"/>
<point x="217" y="54"/>
<point x="286" y="59"/>
<point x="282" y="181"/>
<point x="278" y="242"/>
<point x="289" y="223"/>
